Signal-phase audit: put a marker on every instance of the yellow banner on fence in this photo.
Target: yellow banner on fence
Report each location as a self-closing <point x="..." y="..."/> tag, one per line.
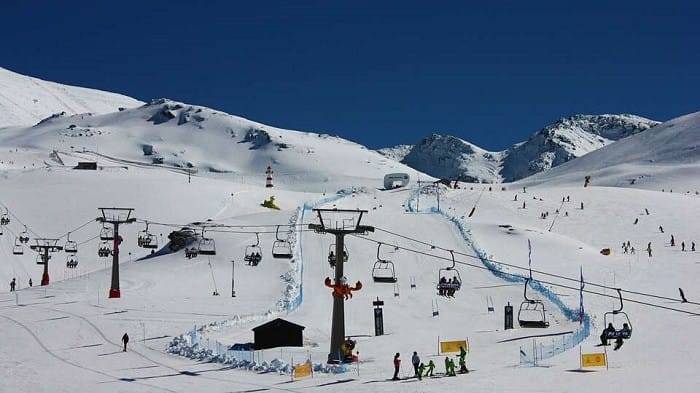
<point x="593" y="360"/>
<point x="453" y="346"/>
<point x="302" y="370"/>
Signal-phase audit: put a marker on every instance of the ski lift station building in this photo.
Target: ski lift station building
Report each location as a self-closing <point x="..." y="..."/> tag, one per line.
<point x="278" y="333"/>
<point x="396" y="180"/>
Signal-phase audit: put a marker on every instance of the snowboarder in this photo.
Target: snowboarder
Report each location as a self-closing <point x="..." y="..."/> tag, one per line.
<point x="415" y="359"/>
<point x="683" y="299"/>
<point x="13" y="283"/>
<point x="125" y="340"/>
<point x="397" y="365"/>
<point x="431" y="367"/>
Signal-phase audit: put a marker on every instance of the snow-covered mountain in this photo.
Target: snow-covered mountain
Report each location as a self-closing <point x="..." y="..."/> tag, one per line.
<point x="200" y="140"/>
<point x="25" y="100"/>
<point x="569" y="138"/>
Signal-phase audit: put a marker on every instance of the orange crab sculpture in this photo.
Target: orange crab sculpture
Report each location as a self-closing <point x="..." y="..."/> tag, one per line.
<point x="342" y="289"/>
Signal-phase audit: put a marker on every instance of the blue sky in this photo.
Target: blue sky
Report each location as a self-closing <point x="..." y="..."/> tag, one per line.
<point x="378" y="73"/>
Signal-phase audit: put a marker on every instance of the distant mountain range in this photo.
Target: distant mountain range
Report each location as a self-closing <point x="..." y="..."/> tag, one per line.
<point x="66" y="115"/>
<point x="453" y="158"/>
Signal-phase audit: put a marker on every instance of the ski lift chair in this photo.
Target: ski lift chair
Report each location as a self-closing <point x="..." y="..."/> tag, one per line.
<point x="331" y="254"/>
<point x="532" y="312"/>
<point x="147" y="239"/>
<point x="253" y="252"/>
<point x="626" y="331"/>
<point x="71" y="261"/>
<point x="281" y="247"/>
<point x="71" y="247"/>
<point x="449" y="280"/>
<point x="4" y="219"/>
<point x="383" y="270"/>
<point x="106" y="233"/>
<point x="207" y="246"/>
<point x="41" y="259"/>
<point x="17" y="249"/>
<point x="24" y="236"/>
<point x="104" y="250"/>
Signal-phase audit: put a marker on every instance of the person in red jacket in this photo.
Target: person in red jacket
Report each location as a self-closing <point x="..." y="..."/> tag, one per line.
<point x="397" y="365"/>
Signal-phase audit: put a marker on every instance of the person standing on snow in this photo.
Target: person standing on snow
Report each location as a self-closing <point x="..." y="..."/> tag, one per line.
<point x="13" y="283"/>
<point x="125" y="340"/>
<point x="415" y="359"/>
<point x="649" y="249"/>
<point x="397" y="365"/>
<point x="462" y="360"/>
<point x="421" y="370"/>
<point x="431" y="367"/>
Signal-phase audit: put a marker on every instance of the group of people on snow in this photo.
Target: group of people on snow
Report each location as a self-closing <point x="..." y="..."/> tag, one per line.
<point x="421" y="369"/>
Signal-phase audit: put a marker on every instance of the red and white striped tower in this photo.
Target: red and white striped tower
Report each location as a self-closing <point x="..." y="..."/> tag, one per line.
<point x="268" y="182"/>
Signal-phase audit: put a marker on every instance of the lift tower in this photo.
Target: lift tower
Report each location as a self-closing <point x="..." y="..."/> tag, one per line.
<point x="44" y="247"/>
<point x="339" y="223"/>
<point x="115" y="216"/>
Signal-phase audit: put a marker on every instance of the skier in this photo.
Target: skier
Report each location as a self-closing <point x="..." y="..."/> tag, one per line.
<point x="415" y="359"/>
<point x="673" y="241"/>
<point x="649" y="249"/>
<point x="683" y="299"/>
<point x="646" y="211"/>
<point x="683" y="246"/>
<point x="462" y="360"/>
<point x="397" y="365"/>
<point x="13" y="283"/>
<point x="581" y="205"/>
<point x="30" y="283"/>
<point x="447" y="366"/>
<point x="452" y="367"/>
<point x="125" y="340"/>
<point x="431" y="367"/>
<point x="421" y="370"/>
<point x="661" y="229"/>
<point x="636" y="220"/>
<point x="619" y="341"/>
<point x="692" y="246"/>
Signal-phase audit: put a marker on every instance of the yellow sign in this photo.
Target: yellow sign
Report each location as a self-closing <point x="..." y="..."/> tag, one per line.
<point x="302" y="370"/>
<point x="593" y="360"/>
<point x="453" y="346"/>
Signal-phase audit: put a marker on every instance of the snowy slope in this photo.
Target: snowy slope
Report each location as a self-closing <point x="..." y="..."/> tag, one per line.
<point x="25" y="100"/>
<point x="667" y="152"/>
<point x="64" y="337"/>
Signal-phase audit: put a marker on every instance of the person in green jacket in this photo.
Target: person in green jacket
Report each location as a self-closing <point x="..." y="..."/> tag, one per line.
<point x="452" y="367"/>
<point x="431" y="367"/>
<point x="421" y="370"/>
<point x="447" y="366"/>
<point x="462" y="360"/>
